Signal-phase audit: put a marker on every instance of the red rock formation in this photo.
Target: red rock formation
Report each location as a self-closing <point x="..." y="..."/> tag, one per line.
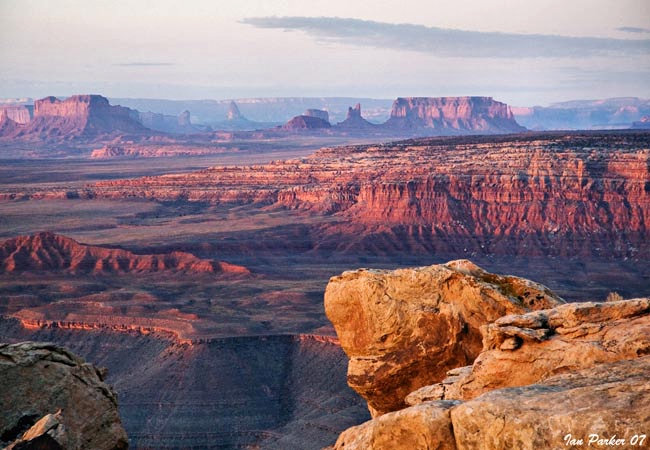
<point x="79" y="116"/>
<point x="355" y="121"/>
<point x="402" y="329"/>
<point x="50" y="252"/>
<point x="306" y="123"/>
<point x="475" y="114"/>
<point x="17" y="113"/>
<point x="534" y="195"/>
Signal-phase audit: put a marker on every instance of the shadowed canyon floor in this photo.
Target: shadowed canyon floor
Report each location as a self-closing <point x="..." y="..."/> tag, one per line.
<point x="280" y="391"/>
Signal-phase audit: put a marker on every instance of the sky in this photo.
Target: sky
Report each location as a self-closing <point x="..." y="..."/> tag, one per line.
<point x="519" y="51"/>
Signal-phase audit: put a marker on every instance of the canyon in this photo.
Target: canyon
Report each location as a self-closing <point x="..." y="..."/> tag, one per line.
<point x="167" y="269"/>
<point x="284" y="391"/>
<point x="545" y="194"/>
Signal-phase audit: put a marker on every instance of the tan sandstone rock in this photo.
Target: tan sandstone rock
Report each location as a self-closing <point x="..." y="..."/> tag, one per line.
<point x="541" y="344"/>
<point x="425" y="426"/>
<point x="405" y="329"/>
<point x="603" y="402"/>
<point x="607" y="400"/>
<point x="75" y="407"/>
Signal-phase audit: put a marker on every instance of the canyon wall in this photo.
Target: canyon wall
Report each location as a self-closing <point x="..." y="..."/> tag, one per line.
<point x="79" y="116"/>
<point x="282" y="391"/>
<point x="17" y="113"/>
<point x="534" y="195"/>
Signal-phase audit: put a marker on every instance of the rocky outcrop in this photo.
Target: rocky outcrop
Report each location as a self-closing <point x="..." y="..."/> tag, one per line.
<point x="306" y="123"/>
<point x="544" y="379"/>
<point x="583" y="409"/>
<point x="355" y="121"/>
<point x="79" y="116"/>
<point x="404" y="329"/>
<point x="460" y="114"/>
<point x="523" y="349"/>
<point x="47" y="251"/>
<point x="17" y="113"/>
<point x="319" y="113"/>
<point x="53" y="399"/>
<point x="604" y="403"/>
<point x="425" y="426"/>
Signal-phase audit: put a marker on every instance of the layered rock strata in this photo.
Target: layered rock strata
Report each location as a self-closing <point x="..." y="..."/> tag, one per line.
<point x="275" y="392"/>
<point x="482" y="114"/>
<point x="47" y="251"/>
<point x="79" y="116"/>
<point x="560" y="195"/>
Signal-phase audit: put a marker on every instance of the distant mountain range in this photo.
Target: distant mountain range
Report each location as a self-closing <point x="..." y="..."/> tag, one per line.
<point x="609" y="113"/>
<point x="93" y="118"/>
<point x="200" y="116"/>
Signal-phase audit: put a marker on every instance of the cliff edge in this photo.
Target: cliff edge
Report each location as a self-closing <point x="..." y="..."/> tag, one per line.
<point x="53" y="399"/>
<point x="559" y="376"/>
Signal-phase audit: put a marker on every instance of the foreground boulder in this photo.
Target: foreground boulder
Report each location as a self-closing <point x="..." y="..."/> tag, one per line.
<point x="54" y="399"/>
<point x="604" y="402"/>
<point x="405" y="329"/>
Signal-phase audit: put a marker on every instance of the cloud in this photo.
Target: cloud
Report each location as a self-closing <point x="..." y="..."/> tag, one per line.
<point x="144" y="64"/>
<point x="634" y="29"/>
<point x="451" y="42"/>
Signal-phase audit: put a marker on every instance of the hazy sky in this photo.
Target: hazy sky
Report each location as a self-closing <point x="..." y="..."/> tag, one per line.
<point x="522" y="52"/>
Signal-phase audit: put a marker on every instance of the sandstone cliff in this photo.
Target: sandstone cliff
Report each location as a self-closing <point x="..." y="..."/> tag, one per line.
<point x="558" y="195"/>
<point x="51" y="399"/>
<point x="473" y="114"/>
<point x="405" y="329"/>
<point x="17" y="113"/>
<point x="77" y="117"/>
<point x="51" y="252"/>
<point x="542" y="378"/>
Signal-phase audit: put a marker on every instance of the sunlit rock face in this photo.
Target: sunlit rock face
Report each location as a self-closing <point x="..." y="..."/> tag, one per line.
<point x="52" y="252"/>
<point x="79" y="116"/>
<point x="17" y="113"/>
<point x="562" y="195"/>
<point x="538" y="379"/>
<point x="482" y="114"/>
<point x="405" y="329"/>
